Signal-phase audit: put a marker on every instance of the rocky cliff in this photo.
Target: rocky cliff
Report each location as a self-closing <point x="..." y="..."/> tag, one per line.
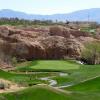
<point x="54" y="43"/>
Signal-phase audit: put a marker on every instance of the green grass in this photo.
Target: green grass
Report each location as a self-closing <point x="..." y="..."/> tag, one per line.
<point x="77" y="75"/>
<point x="88" y="29"/>
<point x="19" y="78"/>
<point x="88" y="86"/>
<point x="62" y="80"/>
<point x="35" y="93"/>
<point x="47" y="93"/>
<point x="48" y="65"/>
<point x="25" y="79"/>
<point x="88" y="90"/>
<point x="76" y="72"/>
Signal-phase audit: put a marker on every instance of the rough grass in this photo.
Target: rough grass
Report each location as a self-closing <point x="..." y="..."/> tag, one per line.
<point x="25" y="78"/>
<point x="47" y="93"/>
<point x="35" y="93"/>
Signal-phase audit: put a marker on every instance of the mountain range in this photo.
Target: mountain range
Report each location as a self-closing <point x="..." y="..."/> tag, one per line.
<point x="81" y="15"/>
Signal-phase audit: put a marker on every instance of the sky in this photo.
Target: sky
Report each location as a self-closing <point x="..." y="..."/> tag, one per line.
<point x="47" y="7"/>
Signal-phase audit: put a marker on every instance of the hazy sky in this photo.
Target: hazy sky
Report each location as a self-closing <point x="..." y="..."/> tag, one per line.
<point x="48" y="6"/>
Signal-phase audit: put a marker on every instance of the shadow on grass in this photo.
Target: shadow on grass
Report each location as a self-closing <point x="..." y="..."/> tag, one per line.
<point x="32" y="63"/>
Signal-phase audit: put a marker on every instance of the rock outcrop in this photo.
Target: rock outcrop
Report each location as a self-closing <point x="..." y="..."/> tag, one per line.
<point x="67" y="32"/>
<point x="58" y="43"/>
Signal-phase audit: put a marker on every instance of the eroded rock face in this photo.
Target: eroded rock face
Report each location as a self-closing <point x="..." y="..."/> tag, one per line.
<point x="67" y="32"/>
<point x="57" y="43"/>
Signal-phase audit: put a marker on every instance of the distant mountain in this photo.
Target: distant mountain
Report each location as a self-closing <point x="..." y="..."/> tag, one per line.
<point x="82" y="15"/>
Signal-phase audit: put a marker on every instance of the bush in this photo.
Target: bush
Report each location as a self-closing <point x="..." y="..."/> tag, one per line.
<point x="2" y="86"/>
<point x="91" y="53"/>
<point x="14" y="61"/>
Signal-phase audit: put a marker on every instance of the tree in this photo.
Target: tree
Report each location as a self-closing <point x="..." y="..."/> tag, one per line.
<point x="91" y="53"/>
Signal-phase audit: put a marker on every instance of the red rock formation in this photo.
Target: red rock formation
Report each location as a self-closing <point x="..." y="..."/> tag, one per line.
<point x="57" y="44"/>
<point x="67" y="32"/>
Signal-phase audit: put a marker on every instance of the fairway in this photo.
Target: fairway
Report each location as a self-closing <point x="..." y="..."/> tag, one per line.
<point x="49" y="65"/>
<point x="92" y="85"/>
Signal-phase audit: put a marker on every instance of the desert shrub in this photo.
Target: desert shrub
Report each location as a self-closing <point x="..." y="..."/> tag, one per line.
<point x="91" y="53"/>
<point x="2" y="86"/>
<point x="14" y="61"/>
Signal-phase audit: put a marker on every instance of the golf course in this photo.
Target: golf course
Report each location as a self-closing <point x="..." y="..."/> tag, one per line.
<point x="52" y="80"/>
